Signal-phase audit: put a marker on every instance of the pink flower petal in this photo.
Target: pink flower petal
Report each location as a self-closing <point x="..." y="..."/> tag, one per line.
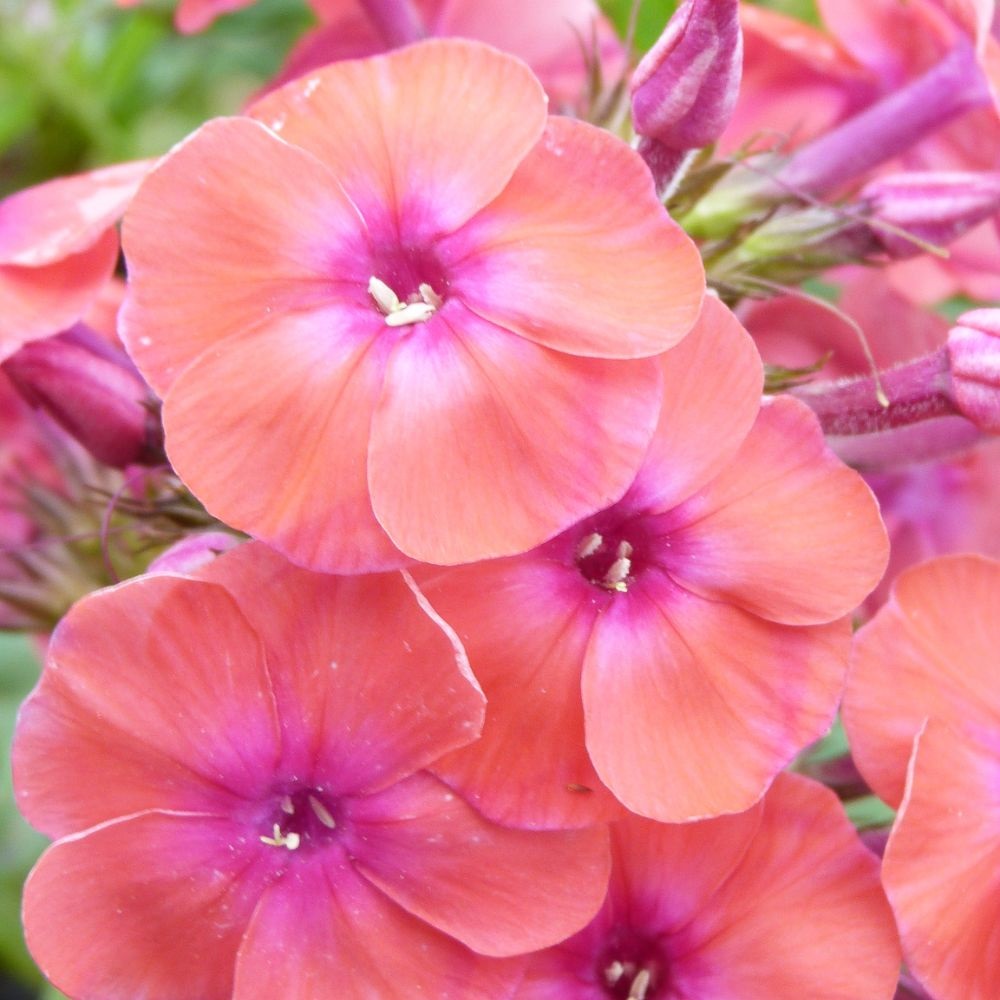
<point x="151" y="906"/>
<point x="378" y="124"/>
<point x="169" y="715"/>
<point x="324" y="932"/>
<point x="232" y="229"/>
<point x="39" y="301"/>
<point x="542" y="440"/>
<point x="273" y="438"/>
<point x="361" y="703"/>
<point x="622" y="280"/>
<point x="931" y="651"/>
<point x="530" y="766"/>
<point x="498" y="890"/>
<point x="802" y="915"/>
<point x="708" y="408"/>
<point x="44" y="224"/>
<point x="787" y="531"/>
<point x="693" y="706"/>
<point x="942" y="863"/>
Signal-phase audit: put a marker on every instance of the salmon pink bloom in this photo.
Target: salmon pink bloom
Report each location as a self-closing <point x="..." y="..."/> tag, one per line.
<point x="556" y="39"/>
<point x="776" y="903"/>
<point x="922" y="712"/>
<point x="681" y="646"/>
<point x="58" y="247"/>
<point x="235" y="767"/>
<point x="380" y="318"/>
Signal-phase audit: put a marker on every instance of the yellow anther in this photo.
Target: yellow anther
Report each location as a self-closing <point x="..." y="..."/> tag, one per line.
<point x="289" y="840"/>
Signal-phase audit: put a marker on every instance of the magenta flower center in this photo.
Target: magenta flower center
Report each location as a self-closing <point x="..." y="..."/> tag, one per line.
<point x="301" y="819"/>
<point x="611" y="552"/>
<point x="632" y="967"/>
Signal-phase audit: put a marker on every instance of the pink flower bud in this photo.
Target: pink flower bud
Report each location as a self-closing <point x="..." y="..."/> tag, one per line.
<point x="93" y="391"/>
<point x="684" y="90"/>
<point x="934" y="206"/>
<point x="974" y="357"/>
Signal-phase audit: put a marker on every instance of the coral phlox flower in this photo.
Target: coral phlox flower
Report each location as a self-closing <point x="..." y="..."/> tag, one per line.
<point x="682" y="645"/>
<point x="922" y="712"/>
<point x="777" y="903"/>
<point x="58" y="248"/>
<point x="379" y="314"/>
<point x="235" y="767"/>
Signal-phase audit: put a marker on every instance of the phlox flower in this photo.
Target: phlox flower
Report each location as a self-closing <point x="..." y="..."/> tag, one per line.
<point x="555" y="39"/>
<point x="922" y="712"/>
<point x="385" y="320"/>
<point x="235" y="767"/>
<point x="677" y="649"/>
<point x="58" y="248"/>
<point x="777" y="903"/>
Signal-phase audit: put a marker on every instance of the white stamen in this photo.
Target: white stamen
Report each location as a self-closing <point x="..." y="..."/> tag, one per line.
<point x="639" y="986"/>
<point x="322" y="813"/>
<point x="286" y="805"/>
<point x="385" y="298"/>
<point x="614" y="972"/>
<point x="624" y="550"/>
<point x="413" y="312"/>
<point x="289" y="840"/>
<point x="430" y="297"/>
<point x="589" y="545"/>
<point x="617" y="574"/>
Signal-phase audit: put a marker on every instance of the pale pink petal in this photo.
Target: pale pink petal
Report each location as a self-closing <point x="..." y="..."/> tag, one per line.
<point x="708" y="408"/>
<point x="501" y="891"/>
<point x="170" y="714"/>
<point x="152" y="906"/>
<point x="379" y="125"/>
<point x="803" y="915"/>
<point x="196" y="15"/>
<point x="931" y="651"/>
<point x="271" y="433"/>
<point x="787" y="531"/>
<point x="373" y="689"/>
<point x="43" y="224"/>
<point x="322" y="932"/>
<point x="39" y="301"/>
<point x="485" y="444"/>
<point x="693" y="706"/>
<point x="942" y="863"/>
<point x="621" y="279"/>
<point x="530" y="766"/>
<point x="232" y="229"/>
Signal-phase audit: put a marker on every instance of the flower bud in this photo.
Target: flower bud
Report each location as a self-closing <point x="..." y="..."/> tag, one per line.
<point x="93" y="392"/>
<point x="685" y="88"/>
<point x="933" y="206"/>
<point x="974" y="358"/>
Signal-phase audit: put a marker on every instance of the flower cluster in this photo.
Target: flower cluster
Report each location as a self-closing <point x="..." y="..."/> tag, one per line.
<point x="449" y="539"/>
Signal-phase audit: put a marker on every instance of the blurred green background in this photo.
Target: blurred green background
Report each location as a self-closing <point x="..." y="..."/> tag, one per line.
<point x="85" y="83"/>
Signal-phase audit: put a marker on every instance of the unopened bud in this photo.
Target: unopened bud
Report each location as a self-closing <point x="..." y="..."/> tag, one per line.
<point x="94" y="392"/>
<point x="974" y="358"/>
<point x="934" y="207"/>
<point x="685" y="88"/>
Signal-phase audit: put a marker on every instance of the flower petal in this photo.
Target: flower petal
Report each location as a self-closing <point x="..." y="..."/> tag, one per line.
<point x="324" y="932"/>
<point x="271" y="432"/>
<point x="404" y="149"/>
<point x="152" y="906"/>
<point x="498" y="890"/>
<point x="621" y="279"/>
<point x="44" y="224"/>
<point x="155" y="694"/>
<point x="931" y="651"/>
<point x="692" y="706"/>
<point x="942" y="863"/>
<point x="708" y="409"/>
<point x="233" y="228"/>
<point x="530" y="767"/>
<point x="787" y="531"/>
<point x="484" y="444"/>
<point x="375" y="688"/>
<point x="39" y="301"/>
<point x="802" y="915"/>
